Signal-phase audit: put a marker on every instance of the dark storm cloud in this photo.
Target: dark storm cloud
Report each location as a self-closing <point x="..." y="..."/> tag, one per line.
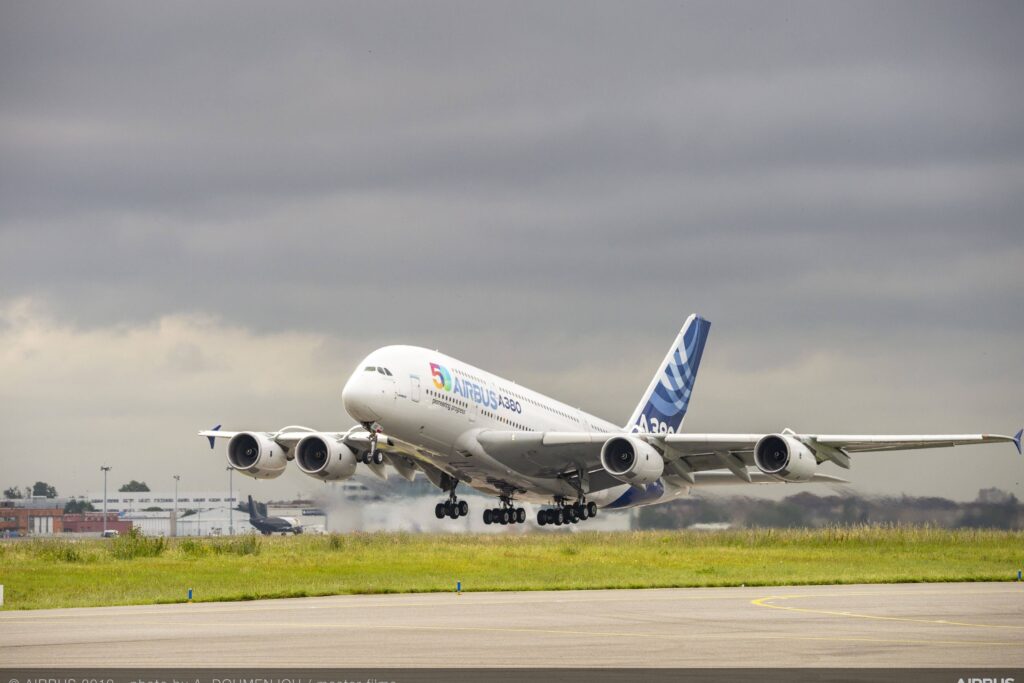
<point x="534" y="186"/>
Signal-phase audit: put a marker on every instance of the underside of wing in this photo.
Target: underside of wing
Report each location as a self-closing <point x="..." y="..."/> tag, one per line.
<point x="543" y="454"/>
<point x="726" y="478"/>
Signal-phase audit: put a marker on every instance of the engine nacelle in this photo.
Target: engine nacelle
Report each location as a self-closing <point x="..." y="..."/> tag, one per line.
<point x="784" y="458"/>
<point x="324" y="458"/>
<point x="256" y="455"/>
<point x="631" y="460"/>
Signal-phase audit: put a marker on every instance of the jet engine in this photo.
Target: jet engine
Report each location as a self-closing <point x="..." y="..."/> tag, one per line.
<point x="631" y="460"/>
<point x="325" y="458"/>
<point x="784" y="458"/>
<point x="256" y="455"/>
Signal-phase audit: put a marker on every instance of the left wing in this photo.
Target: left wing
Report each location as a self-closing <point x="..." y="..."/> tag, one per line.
<point x="554" y="454"/>
<point x="835" y="447"/>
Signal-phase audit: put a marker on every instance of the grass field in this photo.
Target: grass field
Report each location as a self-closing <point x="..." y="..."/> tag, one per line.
<point x="57" y="573"/>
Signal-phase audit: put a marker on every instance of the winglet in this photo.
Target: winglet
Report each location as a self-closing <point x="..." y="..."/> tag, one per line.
<point x="217" y="428"/>
<point x="1016" y="440"/>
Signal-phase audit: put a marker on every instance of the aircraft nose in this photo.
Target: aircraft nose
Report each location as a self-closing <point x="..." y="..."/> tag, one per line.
<point x="356" y="396"/>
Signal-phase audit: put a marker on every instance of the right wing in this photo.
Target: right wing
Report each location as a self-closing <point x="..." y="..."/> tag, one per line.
<point x="403" y="457"/>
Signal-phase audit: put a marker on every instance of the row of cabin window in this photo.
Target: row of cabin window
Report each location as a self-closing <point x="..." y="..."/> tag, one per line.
<point x="466" y="374"/>
<point x="541" y="405"/>
<point x="488" y="413"/>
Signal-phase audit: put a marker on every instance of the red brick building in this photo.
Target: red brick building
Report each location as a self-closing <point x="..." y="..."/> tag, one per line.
<point x="25" y="521"/>
<point x="92" y="522"/>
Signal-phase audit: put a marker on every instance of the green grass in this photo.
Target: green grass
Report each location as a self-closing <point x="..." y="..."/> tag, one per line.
<point x="60" y="573"/>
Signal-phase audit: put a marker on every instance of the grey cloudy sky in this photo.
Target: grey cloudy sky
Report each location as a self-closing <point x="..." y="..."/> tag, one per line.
<point x="210" y="212"/>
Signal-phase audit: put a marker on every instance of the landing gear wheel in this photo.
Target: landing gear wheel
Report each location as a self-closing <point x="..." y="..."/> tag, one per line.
<point x="573" y="515"/>
<point x="439" y="510"/>
<point x="378" y="458"/>
<point x="453" y="507"/>
<point x="583" y="513"/>
<point x="542" y="518"/>
<point x="487" y="517"/>
<point x="592" y="509"/>
<point x="371" y="455"/>
<point x="520" y="516"/>
<point x="506" y="516"/>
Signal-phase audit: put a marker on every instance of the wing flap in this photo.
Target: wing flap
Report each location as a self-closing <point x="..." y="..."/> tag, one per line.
<point x="862" y="443"/>
<point x="725" y="477"/>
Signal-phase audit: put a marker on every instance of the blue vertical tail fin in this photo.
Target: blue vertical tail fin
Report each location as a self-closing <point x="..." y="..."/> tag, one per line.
<point x="663" y="407"/>
<point x="254" y="511"/>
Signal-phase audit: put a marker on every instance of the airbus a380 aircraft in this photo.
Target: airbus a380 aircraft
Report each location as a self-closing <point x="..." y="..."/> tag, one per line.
<point x="420" y="410"/>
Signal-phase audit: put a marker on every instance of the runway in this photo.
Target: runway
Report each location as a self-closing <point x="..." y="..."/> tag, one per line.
<point x="901" y="625"/>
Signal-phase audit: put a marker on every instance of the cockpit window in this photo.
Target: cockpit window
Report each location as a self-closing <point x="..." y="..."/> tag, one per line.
<point x="380" y="370"/>
<point x="387" y="372"/>
<point x="370" y="368"/>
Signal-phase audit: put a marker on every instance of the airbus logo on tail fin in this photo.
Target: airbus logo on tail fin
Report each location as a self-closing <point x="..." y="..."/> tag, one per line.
<point x="664" y="406"/>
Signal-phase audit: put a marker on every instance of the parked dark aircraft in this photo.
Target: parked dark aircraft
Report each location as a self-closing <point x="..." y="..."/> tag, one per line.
<point x="271" y="525"/>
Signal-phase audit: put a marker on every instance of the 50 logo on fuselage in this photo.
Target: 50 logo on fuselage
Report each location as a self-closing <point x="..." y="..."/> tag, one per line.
<point x="442" y="378"/>
<point x="471" y="390"/>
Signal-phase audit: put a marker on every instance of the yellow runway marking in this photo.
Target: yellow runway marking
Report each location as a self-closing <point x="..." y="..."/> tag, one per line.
<point x="426" y="600"/>
<point x="336" y="602"/>
<point x="764" y="602"/>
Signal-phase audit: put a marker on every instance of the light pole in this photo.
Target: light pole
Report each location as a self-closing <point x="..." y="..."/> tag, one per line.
<point x="177" y="478"/>
<point x="231" y="502"/>
<point x="105" y="469"/>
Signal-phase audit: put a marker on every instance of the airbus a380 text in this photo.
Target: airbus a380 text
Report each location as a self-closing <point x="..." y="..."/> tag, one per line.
<point x="420" y="410"/>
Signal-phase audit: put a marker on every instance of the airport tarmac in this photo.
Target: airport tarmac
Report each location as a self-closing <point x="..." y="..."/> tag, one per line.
<point x="900" y="625"/>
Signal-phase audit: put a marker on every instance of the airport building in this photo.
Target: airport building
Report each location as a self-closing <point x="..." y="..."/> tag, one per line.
<point x="140" y="501"/>
<point x="93" y="523"/>
<point x="30" y="518"/>
<point x="205" y="513"/>
<point x="199" y="513"/>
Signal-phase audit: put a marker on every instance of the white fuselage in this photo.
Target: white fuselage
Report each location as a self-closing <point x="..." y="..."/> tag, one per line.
<point x="438" y="404"/>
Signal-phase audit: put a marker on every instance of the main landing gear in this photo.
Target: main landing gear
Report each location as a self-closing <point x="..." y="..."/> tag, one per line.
<point x="453" y="507"/>
<point x="506" y="514"/>
<point x="567" y="514"/>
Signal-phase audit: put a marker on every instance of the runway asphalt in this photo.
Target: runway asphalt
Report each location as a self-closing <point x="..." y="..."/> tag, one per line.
<point x="899" y="625"/>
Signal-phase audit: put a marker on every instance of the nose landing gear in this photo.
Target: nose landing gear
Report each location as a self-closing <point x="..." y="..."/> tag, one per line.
<point x="372" y="456"/>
